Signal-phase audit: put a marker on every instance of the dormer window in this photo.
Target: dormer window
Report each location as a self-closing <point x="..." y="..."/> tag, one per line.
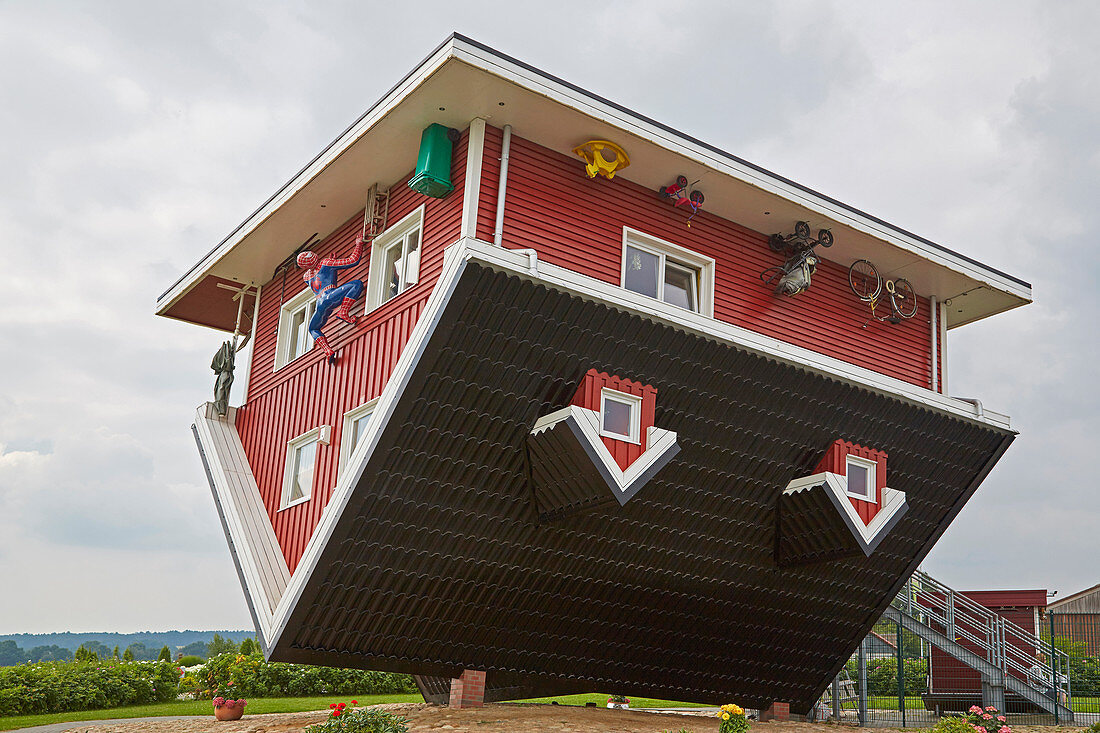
<point x="861" y="478"/>
<point x="621" y="416"/>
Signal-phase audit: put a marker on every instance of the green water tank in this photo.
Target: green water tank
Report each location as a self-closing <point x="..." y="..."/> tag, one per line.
<point x="433" y="164"/>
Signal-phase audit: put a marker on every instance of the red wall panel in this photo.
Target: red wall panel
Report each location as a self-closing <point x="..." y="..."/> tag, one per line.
<point x="577" y="222"/>
<point x="308" y="392"/>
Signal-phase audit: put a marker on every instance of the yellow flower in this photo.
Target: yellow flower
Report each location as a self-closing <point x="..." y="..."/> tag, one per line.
<point x="725" y="716"/>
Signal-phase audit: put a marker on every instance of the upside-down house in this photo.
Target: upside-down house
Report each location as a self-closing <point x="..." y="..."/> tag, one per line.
<point x="608" y="409"/>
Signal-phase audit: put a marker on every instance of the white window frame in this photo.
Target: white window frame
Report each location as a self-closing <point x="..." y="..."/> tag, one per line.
<point x="307" y="300"/>
<point x="320" y="436"/>
<point x="635" y="404"/>
<point x="872" y="478"/>
<point x="678" y="255"/>
<point x="346" y="447"/>
<point x="398" y="232"/>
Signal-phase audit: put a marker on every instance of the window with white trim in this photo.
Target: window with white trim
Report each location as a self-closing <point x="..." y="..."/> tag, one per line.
<point x="301" y="468"/>
<point x="667" y="272"/>
<point x="355" y="425"/>
<point x="294" y="339"/>
<point x="395" y="259"/>
<point x="861" y="478"/>
<point x="620" y="416"/>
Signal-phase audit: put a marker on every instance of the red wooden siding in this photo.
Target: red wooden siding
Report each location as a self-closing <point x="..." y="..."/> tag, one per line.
<point x="577" y="222"/>
<point x="588" y="396"/>
<point x="308" y="392"/>
<point x="836" y="461"/>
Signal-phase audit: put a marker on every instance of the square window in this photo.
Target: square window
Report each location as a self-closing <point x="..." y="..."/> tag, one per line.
<point x="301" y="465"/>
<point x="620" y="416"/>
<point x="861" y="478"/>
<point x="355" y="426"/>
<point x="662" y="270"/>
<point x="294" y="317"/>
<point x="395" y="259"/>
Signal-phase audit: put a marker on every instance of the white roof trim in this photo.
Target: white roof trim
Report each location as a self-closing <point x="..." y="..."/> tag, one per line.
<point x="500" y="65"/>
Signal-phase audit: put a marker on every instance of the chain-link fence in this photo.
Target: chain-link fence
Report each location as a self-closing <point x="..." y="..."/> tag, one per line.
<point x="1078" y="635"/>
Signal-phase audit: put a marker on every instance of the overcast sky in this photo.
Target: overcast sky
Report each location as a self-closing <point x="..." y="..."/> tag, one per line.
<point x="135" y="135"/>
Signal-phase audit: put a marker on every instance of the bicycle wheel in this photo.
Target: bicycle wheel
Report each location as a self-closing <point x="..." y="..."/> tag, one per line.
<point x="802" y="230"/>
<point x="904" y="299"/>
<point x="825" y="238"/>
<point x="864" y="280"/>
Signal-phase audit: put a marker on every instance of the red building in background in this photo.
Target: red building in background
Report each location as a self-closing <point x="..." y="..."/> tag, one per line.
<point x="576" y="437"/>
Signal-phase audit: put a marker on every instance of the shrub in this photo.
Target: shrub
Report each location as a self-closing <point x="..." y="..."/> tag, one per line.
<point x="990" y="720"/>
<point x="190" y="661"/>
<point x="360" y="720"/>
<point x="952" y="724"/>
<point x="237" y="674"/>
<point x="1094" y="728"/>
<point x="57" y="687"/>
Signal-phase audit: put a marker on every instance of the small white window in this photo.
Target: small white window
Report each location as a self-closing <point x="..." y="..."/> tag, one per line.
<point x="294" y="339"/>
<point x="355" y="425"/>
<point x="620" y="416"/>
<point x="395" y="259"/>
<point x="662" y="270"/>
<point x="301" y="467"/>
<point x="861" y="478"/>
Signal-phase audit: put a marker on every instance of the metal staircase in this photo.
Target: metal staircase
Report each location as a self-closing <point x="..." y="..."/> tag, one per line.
<point x="1008" y="657"/>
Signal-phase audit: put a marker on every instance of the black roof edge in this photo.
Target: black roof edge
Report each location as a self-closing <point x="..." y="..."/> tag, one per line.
<point x="313" y="160"/>
<point x="602" y="100"/>
<point x="731" y="156"/>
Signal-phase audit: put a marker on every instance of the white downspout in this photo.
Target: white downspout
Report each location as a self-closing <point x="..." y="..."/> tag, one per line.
<point x="934" y="324"/>
<point x="943" y="350"/>
<point x="251" y="344"/>
<point x="502" y="187"/>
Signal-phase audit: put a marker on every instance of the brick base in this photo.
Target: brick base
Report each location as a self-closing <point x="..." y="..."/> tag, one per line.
<point x="468" y="690"/>
<point x="777" y="711"/>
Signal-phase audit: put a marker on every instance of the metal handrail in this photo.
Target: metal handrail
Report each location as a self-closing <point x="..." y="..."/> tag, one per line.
<point x="1004" y="643"/>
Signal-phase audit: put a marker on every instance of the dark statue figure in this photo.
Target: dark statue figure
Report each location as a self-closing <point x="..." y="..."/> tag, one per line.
<point x="223" y="368"/>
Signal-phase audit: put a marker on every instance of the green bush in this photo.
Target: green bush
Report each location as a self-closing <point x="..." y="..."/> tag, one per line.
<point x="189" y="661"/>
<point x="953" y="724"/>
<point x="58" y="687"/>
<point x="237" y="675"/>
<point x="882" y="676"/>
<point x="361" y="720"/>
<point x="1094" y="728"/>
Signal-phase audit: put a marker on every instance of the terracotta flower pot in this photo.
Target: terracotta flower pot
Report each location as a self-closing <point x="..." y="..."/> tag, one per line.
<point x="229" y="713"/>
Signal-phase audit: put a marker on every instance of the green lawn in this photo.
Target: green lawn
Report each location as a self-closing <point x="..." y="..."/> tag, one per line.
<point x="601" y="700"/>
<point x="201" y="707"/>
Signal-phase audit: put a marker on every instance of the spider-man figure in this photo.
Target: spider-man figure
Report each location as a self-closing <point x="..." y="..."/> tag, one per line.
<point x="321" y="276"/>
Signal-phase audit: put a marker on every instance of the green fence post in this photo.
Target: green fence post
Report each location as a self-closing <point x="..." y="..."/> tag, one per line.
<point x="1054" y="666"/>
<point x="901" y="673"/>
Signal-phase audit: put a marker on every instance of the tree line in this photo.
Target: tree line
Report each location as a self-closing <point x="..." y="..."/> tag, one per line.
<point x="12" y="654"/>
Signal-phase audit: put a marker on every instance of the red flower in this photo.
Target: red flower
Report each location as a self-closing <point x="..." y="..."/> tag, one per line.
<point x="341" y="706"/>
<point x="332" y="705"/>
<point x="336" y="712"/>
<point x="354" y="702"/>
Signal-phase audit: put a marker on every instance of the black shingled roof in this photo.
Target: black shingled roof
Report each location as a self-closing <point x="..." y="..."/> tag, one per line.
<point x="439" y="561"/>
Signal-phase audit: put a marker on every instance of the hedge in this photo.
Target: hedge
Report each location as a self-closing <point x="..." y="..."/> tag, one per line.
<point x="239" y="675"/>
<point x="58" y="687"/>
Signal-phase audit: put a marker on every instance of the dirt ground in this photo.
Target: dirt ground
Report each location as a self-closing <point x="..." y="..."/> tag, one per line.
<point x="494" y="718"/>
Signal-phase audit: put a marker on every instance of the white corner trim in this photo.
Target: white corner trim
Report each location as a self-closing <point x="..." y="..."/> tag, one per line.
<point x="658" y="440"/>
<point x="455" y="258"/>
<point x="471" y="191"/>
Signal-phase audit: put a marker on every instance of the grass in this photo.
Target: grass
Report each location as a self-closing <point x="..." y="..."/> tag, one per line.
<point x="601" y="700"/>
<point x="259" y="706"/>
<point x="256" y="706"/>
